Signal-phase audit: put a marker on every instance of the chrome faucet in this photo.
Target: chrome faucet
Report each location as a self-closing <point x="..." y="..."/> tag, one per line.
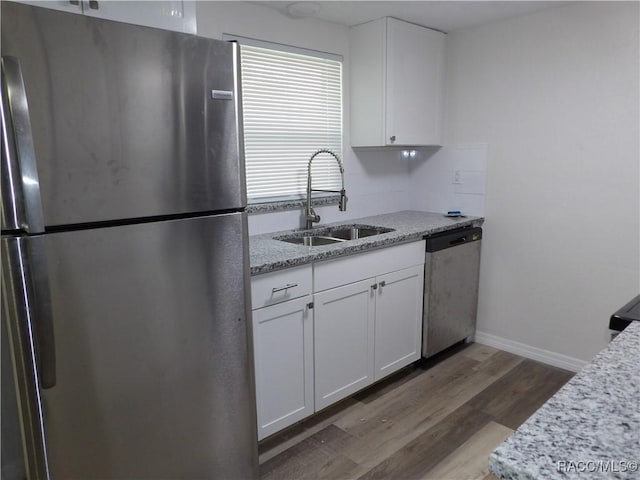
<point x="310" y="214"/>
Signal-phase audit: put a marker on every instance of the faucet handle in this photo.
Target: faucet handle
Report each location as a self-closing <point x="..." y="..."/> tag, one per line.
<point x="312" y="217"/>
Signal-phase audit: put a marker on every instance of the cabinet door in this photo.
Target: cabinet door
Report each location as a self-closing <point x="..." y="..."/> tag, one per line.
<point x="367" y="46"/>
<point x="398" y="320"/>
<point x="343" y="340"/>
<point x="415" y="80"/>
<point x="170" y="15"/>
<point x="283" y="356"/>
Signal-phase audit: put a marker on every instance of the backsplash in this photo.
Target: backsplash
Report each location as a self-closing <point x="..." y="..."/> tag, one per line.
<point x="376" y="182"/>
<point x="453" y="178"/>
<point x="380" y="182"/>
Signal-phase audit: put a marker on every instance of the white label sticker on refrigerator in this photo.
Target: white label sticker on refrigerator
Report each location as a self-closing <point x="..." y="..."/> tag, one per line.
<point x="222" y="94"/>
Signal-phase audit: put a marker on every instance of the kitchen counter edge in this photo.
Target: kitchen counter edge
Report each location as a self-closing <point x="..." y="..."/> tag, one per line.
<point x="268" y="255"/>
<point x="590" y="425"/>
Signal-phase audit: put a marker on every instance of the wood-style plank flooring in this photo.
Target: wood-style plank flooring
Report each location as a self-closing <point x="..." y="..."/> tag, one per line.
<point x="439" y="419"/>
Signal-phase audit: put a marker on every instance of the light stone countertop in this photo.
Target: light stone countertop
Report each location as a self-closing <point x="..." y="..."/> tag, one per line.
<point x="268" y="255"/>
<point x="590" y="429"/>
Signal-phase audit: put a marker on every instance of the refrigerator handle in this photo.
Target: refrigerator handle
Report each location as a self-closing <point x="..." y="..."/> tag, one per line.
<point x="29" y="352"/>
<point x="21" y="203"/>
<point x="35" y="314"/>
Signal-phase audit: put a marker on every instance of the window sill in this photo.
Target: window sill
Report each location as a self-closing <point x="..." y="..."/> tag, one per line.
<point x="291" y="204"/>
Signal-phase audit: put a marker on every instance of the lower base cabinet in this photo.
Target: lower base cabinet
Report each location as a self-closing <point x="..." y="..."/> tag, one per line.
<point x="343" y="326"/>
<point x="314" y="348"/>
<point x="283" y="359"/>
<point x="398" y="325"/>
<point x="365" y="331"/>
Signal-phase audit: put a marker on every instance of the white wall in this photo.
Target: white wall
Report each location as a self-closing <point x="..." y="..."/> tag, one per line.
<point x="555" y="95"/>
<point x="376" y="182"/>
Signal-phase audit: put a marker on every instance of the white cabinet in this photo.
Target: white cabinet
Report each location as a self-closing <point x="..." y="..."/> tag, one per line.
<point x="282" y="348"/>
<point x="397" y="84"/>
<point x="368" y="321"/>
<point x="365" y="331"/>
<point x="277" y="287"/>
<point x="178" y="15"/>
<point x="322" y="332"/>
<point x="398" y="323"/>
<point x="343" y="334"/>
<point x="283" y="359"/>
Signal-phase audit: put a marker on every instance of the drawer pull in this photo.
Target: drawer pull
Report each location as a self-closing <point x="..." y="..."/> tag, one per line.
<point x="382" y="283"/>
<point x="285" y="288"/>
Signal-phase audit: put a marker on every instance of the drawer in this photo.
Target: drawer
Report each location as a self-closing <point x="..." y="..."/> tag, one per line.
<point x="271" y="288"/>
<point x="344" y="270"/>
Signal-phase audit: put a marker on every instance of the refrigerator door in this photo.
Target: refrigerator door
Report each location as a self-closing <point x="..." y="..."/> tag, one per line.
<point x="28" y="356"/>
<point x="153" y="375"/>
<point x="127" y="121"/>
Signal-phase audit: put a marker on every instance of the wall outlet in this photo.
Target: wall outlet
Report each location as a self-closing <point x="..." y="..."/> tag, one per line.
<point x="470" y="181"/>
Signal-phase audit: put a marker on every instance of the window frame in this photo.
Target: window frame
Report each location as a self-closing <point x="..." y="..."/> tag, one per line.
<point x="287" y="201"/>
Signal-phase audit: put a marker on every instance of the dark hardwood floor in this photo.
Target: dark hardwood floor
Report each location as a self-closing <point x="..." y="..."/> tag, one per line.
<point x="438" y="419"/>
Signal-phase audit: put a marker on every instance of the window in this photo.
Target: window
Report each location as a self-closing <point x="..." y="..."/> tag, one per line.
<point x="292" y="106"/>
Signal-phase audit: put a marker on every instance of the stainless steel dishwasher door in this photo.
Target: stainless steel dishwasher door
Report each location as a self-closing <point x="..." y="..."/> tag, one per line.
<point x="452" y="269"/>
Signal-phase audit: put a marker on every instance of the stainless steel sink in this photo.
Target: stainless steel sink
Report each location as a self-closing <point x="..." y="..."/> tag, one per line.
<point x="354" y="232"/>
<point x="330" y="235"/>
<point x="310" y="240"/>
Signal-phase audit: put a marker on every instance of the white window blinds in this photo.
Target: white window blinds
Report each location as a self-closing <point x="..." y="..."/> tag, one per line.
<point x="292" y="106"/>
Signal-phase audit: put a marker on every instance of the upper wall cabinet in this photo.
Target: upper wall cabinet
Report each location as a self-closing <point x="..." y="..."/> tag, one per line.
<point x="179" y="16"/>
<point x="397" y="84"/>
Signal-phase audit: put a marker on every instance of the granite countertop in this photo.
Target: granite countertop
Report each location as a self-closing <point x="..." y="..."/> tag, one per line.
<point x="590" y="429"/>
<point x="268" y="254"/>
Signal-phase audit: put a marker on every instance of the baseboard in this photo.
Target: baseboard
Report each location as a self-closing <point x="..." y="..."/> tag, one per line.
<point x="527" y="351"/>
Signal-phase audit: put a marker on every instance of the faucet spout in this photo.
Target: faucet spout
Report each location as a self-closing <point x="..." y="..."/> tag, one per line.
<point x="311" y="216"/>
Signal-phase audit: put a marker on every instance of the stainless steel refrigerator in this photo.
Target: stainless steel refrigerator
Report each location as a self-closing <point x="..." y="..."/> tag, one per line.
<point x="124" y="253"/>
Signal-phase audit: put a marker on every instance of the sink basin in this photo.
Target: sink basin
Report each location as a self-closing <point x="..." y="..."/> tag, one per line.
<point x="353" y="232"/>
<point x="330" y="235"/>
<point x="310" y="240"/>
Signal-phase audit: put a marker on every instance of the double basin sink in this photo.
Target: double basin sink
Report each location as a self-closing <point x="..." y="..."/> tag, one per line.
<point x="330" y="235"/>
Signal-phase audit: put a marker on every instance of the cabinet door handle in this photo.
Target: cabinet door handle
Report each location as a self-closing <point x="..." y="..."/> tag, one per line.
<point x="374" y="287"/>
<point x="286" y="287"/>
<point x="382" y="283"/>
<point x="392" y="138"/>
<point x="74" y="2"/>
<point x="94" y="5"/>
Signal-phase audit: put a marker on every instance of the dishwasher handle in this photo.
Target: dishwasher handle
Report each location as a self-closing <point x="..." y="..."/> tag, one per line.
<point x="453" y="238"/>
<point x="458" y="241"/>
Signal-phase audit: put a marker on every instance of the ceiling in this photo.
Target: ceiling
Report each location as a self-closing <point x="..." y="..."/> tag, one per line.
<point x="445" y="16"/>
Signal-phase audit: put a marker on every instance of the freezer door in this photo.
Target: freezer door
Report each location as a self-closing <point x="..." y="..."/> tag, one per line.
<point x="127" y="121"/>
<point x="153" y="374"/>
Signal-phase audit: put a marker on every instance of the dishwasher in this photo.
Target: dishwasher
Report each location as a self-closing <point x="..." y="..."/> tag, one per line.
<point x="452" y="268"/>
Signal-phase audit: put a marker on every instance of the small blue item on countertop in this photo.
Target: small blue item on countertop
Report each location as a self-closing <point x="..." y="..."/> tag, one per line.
<point x="454" y="213"/>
